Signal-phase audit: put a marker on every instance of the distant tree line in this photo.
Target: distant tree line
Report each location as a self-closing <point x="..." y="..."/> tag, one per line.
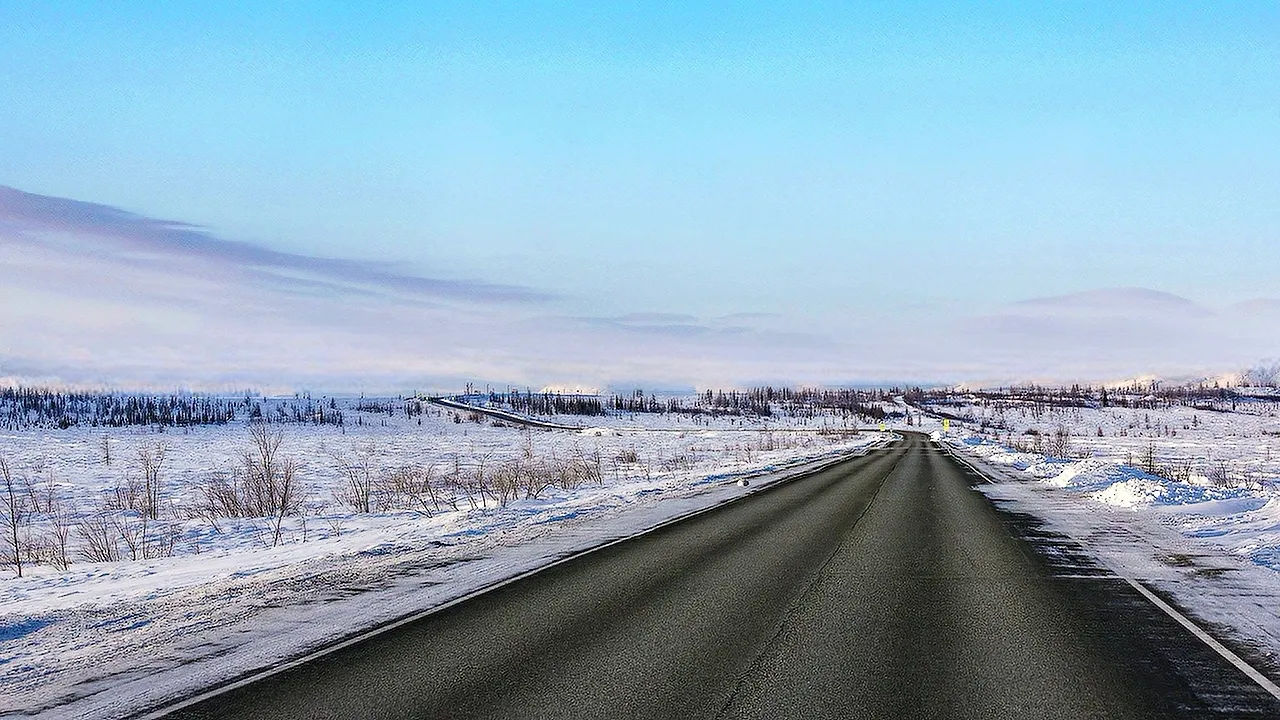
<point x="1037" y="399"/>
<point x="25" y="407"/>
<point x="636" y="402"/>
<point x="762" y="402"/>
<point x="548" y="403"/>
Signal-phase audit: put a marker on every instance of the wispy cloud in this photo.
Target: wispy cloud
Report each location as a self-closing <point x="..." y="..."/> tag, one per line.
<point x="94" y="294"/>
<point x="757" y="329"/>
<point x="103" y="230"/>
<point x="1117" y="302"/>
<point x="1117" y="332"/>
<point x="91" y="293"/>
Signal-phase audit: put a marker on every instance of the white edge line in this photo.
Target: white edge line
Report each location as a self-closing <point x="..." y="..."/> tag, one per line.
<point x="1254" y="674"/>
<point x="329" y="649"/>
<point x="946" y="447"/>
<point x="1208" y="639"/>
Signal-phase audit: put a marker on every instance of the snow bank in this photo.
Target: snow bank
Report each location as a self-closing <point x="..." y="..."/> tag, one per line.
<point x="1106" y="481"/>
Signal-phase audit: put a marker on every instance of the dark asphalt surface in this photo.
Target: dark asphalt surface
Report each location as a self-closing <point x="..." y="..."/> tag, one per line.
<point x="884" y="587"/>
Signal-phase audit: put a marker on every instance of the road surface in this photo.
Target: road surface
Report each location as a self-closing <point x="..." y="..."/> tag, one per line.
<point x="884" y="587"/>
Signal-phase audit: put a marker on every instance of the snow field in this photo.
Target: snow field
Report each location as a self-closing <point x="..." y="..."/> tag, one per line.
<point x="1210" y="473"/>
<point x="212" y="597"/>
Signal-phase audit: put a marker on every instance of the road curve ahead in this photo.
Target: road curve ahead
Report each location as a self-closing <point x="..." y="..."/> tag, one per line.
<point x="884" y="587"/>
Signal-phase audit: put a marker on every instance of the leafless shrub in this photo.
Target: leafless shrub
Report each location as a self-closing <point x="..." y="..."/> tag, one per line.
<point x="223" y="495"/>
<point x="452" y="482"/>
<point x="126" y="495"/>
<point x="266" y="485"/>
<point x="58" y="539"/>
<point x="835" y="435"/>
<point x="1177" y="471"/>
<point x="335" y="525"/>
<point x="581" y="469"/>
<point x="417" y="488"/>
<point x="535" y="476"/>
<point x="1148" y="461"/>
<point x="99" y="541"/>
<point x="681" y="461"/>
<point x="144" y="538"/>
<point x="584" y="469"/>
<point x="1219" y="474"/>
<point x="503" y="481"/>
<point x="527" y="476"/>
<point x="595" y="469"/>
<point x="41" y="488"/>
<point x="1058" y="445"/>
<point x="358" y="474"/>
<point x="131" y="527"/>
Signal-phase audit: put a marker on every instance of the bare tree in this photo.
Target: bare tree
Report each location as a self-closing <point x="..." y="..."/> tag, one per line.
<point x="16" y="514"/>
<point x="59" y="538"/>
<point x="261" y="469"/>
<point x="288" y="496"/>
<point x="150" y="459"/>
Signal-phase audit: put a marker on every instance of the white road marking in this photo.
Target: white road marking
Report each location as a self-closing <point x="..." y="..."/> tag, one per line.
<point x="1254" y="674"/>
<point x="329" y="649"/>
<point x="1208" y="639"/>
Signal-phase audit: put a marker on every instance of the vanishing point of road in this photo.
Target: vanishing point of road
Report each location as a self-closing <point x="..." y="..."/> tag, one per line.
<point x="881" y="587"/>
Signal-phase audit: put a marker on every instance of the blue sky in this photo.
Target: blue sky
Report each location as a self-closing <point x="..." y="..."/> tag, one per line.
<point x="861" y="175"/>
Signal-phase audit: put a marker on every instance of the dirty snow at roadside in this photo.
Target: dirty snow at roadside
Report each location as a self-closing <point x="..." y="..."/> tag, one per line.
<point x="1209" y="538"/>
<point x="211" y="598"/>
<point x="1208" y="474"/>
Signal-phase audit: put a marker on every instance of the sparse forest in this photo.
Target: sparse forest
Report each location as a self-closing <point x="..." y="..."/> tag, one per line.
<point x="761" y="402"/>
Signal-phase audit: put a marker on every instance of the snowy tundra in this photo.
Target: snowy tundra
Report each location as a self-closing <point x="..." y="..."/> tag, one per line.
<point x="159" y="563"/>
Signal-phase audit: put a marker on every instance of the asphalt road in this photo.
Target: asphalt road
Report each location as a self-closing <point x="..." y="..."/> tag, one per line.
<point x="884" y="587"/>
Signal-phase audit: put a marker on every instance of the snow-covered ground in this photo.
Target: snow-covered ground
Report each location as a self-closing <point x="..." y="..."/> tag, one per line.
<point x="211" y="597"/>
<point x="1185" y="501"/>
<point x="1214" y="474"/>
